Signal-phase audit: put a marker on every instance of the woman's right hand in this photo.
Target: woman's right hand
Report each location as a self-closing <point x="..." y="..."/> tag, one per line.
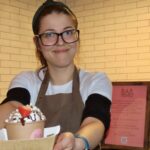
<point x="6" y="109"/>
<point x="67" y="141"/>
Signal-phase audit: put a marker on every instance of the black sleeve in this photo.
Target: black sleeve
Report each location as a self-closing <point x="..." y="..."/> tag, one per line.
<point x="21" y="95"/>
<point x="98" y="106"/>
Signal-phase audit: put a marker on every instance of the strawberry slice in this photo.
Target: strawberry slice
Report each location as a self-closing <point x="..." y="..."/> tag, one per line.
<point x="24" y="111"/>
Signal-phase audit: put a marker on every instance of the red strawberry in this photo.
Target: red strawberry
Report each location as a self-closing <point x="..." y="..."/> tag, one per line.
<point x="24" y="111"/>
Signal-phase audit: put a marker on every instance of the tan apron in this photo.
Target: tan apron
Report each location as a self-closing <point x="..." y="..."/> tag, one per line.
<point x="63" y="109"/>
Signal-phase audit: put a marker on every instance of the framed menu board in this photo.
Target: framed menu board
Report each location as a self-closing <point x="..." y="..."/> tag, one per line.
<point x="130" y="117"/>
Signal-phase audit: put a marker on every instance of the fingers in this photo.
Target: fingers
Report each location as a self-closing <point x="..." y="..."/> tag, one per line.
<point x="65" y="141"/>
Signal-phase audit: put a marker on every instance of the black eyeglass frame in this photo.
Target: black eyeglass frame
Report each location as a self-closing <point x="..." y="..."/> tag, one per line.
<point x="59" y="34"/>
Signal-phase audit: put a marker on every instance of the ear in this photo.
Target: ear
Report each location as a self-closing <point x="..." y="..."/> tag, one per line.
<point x="36" y="42"/>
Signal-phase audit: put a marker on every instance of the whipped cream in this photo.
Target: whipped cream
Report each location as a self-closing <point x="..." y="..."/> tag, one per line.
<point x="35" y="115"/>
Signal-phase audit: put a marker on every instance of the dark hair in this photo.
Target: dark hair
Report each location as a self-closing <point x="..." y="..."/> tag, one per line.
<point x="49" y="7"/>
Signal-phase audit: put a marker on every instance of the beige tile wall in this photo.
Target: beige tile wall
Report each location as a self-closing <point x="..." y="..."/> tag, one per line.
<point x="115" y="37"/>
<point x="17" y="51"/>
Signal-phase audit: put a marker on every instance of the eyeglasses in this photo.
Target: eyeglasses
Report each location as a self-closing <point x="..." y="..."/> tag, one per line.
<point x="51" y="38"/>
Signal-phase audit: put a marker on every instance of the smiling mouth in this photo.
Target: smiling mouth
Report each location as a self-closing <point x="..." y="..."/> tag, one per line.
<point x="61" y="51"/>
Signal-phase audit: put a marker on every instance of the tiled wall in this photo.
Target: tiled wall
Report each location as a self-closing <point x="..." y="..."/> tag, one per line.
<point x="115" y="38"/>
<point x="17" y="51"/>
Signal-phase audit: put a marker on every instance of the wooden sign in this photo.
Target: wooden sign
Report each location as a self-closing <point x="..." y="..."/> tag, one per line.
<point x="129" y="127"/>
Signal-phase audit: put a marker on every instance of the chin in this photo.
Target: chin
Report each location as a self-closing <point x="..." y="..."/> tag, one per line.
<point x="63" y="65"/>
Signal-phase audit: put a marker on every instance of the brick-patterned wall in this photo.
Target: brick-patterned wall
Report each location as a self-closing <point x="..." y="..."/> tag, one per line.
<point x="17" y="51"/>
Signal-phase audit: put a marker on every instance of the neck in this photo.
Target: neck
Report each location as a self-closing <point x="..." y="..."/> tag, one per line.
<point x="61" y="75"/>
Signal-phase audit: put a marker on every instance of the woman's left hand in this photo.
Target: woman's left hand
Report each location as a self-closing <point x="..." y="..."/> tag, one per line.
<point x="65" y="141"/>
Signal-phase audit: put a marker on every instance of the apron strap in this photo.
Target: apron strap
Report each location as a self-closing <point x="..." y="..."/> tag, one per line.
<point x="43" y="87"/>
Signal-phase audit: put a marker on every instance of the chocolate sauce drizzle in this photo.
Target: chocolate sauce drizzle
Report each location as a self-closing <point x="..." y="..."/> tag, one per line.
<point x="22" y="121"/>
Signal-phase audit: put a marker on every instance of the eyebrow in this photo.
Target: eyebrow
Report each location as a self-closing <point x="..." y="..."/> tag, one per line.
<point x="52" y="30"/>
<point x="70" y="27"/>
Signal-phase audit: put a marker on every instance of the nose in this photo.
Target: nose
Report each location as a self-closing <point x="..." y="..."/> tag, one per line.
<point x="60" y="40"/>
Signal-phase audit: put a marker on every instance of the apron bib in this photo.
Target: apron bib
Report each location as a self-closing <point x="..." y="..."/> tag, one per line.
<point x="64" y="109"/>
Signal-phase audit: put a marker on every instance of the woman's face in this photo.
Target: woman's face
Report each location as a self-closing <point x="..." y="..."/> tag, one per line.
<point x="61" y="54"/>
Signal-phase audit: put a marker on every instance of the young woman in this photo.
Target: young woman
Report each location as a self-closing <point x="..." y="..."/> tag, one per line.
<point x="77" y="100"/>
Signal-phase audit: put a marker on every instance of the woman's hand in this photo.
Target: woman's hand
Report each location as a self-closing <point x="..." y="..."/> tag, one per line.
<point x="6" y="109"/>
<point x="67" y="141"/>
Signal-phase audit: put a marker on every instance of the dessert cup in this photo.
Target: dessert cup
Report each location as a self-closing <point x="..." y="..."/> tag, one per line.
<point x="31" y="130"/>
